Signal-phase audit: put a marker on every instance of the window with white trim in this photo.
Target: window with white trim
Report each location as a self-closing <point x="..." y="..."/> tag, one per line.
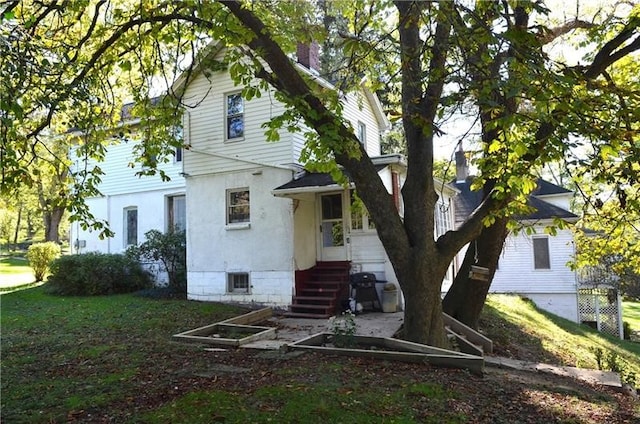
<point x="238" y="206"/>
<point x="235" y="116"/>
<point x="443" y="218"/>
<point x="362" y="133"/>
<point x="130" y="226"/>
<point x="178" y="135"/>
<point x="238" y="282"/>
<point x="176" y="213"/>
<point x="541" y="257"/>
<point x="360" y="219"/>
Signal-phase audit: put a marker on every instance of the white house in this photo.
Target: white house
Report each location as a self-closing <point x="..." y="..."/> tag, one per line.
<point x="259" y="227"/>
<point x="262" y="229"/>
<point x="531" y="265"/>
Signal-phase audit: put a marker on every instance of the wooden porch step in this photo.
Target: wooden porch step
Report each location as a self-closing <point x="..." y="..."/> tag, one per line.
<point x="298" y="299"/>
<point x="320" y="290"/>
<point x="310" y="306"/>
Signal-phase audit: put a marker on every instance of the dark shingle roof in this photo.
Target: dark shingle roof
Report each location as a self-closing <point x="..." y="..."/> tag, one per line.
<point x="316" y="179"/>
<point x="545" y="188"/>
<point x="466" y="201"/>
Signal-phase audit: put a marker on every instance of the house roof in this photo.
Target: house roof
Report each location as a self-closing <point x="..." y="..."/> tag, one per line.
<point x="316" y="182"/>
<point x="545" y="188"/>
<point x="312" y="182"/>
<point x="466" y="202"/>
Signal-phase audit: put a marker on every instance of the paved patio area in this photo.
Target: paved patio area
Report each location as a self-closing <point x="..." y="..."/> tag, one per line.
<point x="376" y="324"/>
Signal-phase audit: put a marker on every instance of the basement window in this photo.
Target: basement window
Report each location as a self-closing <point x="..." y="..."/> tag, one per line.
<point x="238" y="282"/>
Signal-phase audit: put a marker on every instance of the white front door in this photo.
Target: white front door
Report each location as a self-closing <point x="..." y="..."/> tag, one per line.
<point x="332" y="228"/>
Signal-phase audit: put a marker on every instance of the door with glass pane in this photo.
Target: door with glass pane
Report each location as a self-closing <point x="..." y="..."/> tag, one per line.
<point x="332" y="228"/>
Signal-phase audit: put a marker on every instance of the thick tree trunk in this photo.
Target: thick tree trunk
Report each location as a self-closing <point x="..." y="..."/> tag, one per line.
<point x="52" y="221"/>
<point x="423" y="321"/>
<point x="465" y="299"/>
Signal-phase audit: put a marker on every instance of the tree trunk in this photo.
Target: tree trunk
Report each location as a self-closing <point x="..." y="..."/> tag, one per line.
<point x="52" y="219"/>
<point x="465" y="299"/>
<point x="18" y="223"/>
<point x="423" y="321"/>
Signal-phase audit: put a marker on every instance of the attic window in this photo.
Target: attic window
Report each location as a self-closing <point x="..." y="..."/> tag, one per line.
<point x="235" y="116"/>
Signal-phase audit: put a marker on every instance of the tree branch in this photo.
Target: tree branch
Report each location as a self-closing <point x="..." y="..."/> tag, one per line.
<point x="549" y="34"/>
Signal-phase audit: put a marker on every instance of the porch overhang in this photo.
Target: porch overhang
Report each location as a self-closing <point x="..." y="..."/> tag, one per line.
<point x="317" y="182"/>
<point x="309" y="183"/>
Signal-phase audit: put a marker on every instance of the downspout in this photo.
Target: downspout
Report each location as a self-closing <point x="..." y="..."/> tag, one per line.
<point x="109" y="220"/>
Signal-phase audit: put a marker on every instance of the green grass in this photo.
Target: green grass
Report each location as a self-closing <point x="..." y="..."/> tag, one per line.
<point x="111" y="359"/>
<point x="62" y="354"/>
<point x="10" y="265"/>
<point x="632" y="314"/>
<point x="520" y="329"/>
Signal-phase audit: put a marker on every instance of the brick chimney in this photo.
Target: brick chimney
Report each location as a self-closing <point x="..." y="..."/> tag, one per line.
<point x="309" y="56"/>
<point x="462" y="166"/>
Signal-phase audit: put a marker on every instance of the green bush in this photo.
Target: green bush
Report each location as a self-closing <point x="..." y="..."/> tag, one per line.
<point x="168" y="249"/>
<point x="40" y="256"/>
<point x="91" y="274"/>
<point x="626" y="330"/>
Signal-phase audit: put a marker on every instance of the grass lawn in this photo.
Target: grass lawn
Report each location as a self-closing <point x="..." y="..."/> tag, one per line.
<point x="520" y="330"/>
<point x="631" y="311"/>
<point x="14" y="272"/>
<point x="111" y="359"/>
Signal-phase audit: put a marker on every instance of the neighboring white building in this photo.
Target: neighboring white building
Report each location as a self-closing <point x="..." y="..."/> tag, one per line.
<point x="535" y="265"/>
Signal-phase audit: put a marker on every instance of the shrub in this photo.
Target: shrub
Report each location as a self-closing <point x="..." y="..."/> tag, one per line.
<point x="170" y="250"/>
<point x="40" y="256"/>
<point x="626" y="330"/>
<point x="90" y="274"/>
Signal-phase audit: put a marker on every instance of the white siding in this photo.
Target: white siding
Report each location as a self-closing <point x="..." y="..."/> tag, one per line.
<point x="357" y="108"/>
<point x="562" y="200"/>
<point x="516" y="271"/>
<point x="120" y="178"/>
<point x="209" y="151"/>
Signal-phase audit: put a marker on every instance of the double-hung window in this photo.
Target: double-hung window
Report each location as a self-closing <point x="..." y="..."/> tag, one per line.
<point x="235" y="116"/>
<point x="362" y="133"/>
<point x="177" y="213"/>
<point x="130" y="226"/>
<point x="238" y="206"/>
<point x="541" y="257"/>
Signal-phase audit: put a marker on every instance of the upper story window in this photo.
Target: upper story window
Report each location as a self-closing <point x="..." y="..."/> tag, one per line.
<point x="177" y="154"/>
<point x="130" y="226"/>
<point x="238" y="210"/>
<point x="541" y="257"/>
<point x="443" y="219"/>
<point x="177" y="213"/>
<point x="235" y="116"/>
<point x="362" y="133"/>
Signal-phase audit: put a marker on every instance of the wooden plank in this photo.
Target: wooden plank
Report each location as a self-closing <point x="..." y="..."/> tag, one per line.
<point x="407" y="352"/>
<point x="472" y="335"/>
<point x="465" y="345"/>
<point x="250" y="318"/>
